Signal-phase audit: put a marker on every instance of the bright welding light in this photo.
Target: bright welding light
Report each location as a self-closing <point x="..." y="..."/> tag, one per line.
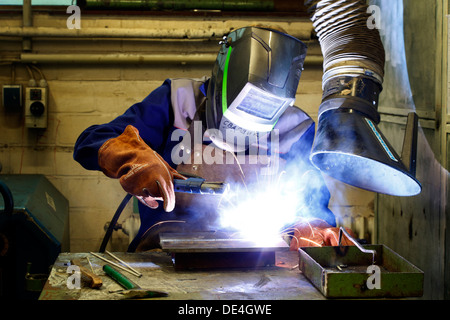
<point x="260" y="211"/>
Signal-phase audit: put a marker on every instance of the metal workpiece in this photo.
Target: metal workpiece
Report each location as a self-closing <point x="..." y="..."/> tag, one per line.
<point x="218" y="250"/>
<point x="213" y="241"/>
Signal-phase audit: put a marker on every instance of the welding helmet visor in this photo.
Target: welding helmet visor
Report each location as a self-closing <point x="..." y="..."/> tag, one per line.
<point x="254" y="80"/>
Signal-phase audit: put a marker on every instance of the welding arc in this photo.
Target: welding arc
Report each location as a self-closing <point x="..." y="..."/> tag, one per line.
<point x="113" y="222"/>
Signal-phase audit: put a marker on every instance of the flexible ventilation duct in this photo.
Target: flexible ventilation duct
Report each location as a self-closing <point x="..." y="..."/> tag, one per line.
<point x="353" y="53"/>
<point x="348" y="144"/>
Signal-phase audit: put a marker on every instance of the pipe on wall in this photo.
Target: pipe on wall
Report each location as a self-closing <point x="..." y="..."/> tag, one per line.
<point x="235" y="5"/>
<point x="197" y="33"/>
<point x="130" y="34"/>
<point x="27" y="22"/>
<point x="123" y="58"/>
<point x="113" y="58"/>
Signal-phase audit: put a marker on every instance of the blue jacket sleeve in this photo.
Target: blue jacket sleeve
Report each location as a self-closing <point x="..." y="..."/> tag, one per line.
<point x="153" y="117"/>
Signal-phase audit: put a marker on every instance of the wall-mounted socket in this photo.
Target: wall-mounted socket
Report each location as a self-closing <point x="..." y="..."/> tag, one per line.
<point x="36" y="107"/>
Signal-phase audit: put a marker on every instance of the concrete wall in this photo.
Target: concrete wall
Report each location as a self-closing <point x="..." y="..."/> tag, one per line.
<point x="84" y="94"/>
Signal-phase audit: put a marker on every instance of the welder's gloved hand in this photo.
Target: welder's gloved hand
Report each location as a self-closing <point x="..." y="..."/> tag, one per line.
<point x="318" y="233"/>
<point x="141" y="171"/>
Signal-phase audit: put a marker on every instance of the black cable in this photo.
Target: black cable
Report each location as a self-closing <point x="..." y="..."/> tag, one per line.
<point x="113" y="222"/>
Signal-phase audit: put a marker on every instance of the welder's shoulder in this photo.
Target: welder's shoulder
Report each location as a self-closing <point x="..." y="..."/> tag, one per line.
<point x="186" y="96"/>
<point x="294" y="118"/>
<point x="295" y="130"/>
<point x="183" y="82"/>
<point x="192" y="88"/>
<point x="157" y="94"/>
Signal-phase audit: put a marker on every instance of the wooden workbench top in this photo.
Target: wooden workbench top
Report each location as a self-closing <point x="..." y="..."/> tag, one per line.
<point x="283" y="281"/>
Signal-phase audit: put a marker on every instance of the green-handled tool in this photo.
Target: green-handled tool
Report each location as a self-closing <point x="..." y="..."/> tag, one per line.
<point x="133" y="291"/>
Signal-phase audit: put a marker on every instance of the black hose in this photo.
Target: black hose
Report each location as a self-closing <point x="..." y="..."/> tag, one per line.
<point x="7" y="198"/>
<point x="353" y="53"/>
<point x="113" y="222"/>
<point x="344" y="35"/>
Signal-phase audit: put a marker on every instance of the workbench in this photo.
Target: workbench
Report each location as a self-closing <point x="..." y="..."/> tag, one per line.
<point x="282" y="281"/>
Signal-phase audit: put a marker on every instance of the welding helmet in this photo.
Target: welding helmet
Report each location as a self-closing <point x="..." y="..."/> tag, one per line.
<point x="254" y="80"/>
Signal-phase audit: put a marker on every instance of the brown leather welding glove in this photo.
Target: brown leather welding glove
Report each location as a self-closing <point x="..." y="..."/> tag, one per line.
<point x="141" y="171"/>
<point x="317" y="233"/>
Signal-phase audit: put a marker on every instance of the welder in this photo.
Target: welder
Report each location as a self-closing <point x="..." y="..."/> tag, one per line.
<point x="249" y="97"/>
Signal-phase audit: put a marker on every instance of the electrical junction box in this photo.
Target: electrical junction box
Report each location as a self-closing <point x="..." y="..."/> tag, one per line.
<point x="36" y="107"/>
<point x="12" y="98"/>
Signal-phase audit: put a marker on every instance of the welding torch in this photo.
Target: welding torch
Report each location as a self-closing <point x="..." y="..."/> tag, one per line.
<point x="199" y="185"/>
<point x="193" y="184"/>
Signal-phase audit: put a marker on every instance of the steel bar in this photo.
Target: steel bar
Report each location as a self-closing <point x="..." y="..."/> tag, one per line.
<point x="116" y="265"/>
<point x="372" y="252"/>
<point x="124" y="263"/>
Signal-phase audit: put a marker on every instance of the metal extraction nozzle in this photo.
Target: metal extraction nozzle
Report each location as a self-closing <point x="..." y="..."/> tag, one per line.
<point x="350" y="148"/>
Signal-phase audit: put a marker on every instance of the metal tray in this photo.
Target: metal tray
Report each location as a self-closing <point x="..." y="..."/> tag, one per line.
<point x="343" y="272"/>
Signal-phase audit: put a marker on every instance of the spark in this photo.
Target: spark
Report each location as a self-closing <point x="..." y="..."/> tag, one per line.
<point x="309" y="240"/>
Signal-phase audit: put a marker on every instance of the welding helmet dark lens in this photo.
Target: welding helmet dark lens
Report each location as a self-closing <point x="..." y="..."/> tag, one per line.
<point x="254" y="79"/>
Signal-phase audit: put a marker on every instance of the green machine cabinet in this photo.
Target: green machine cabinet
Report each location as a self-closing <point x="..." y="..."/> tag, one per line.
<point x="34" y="229"/>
